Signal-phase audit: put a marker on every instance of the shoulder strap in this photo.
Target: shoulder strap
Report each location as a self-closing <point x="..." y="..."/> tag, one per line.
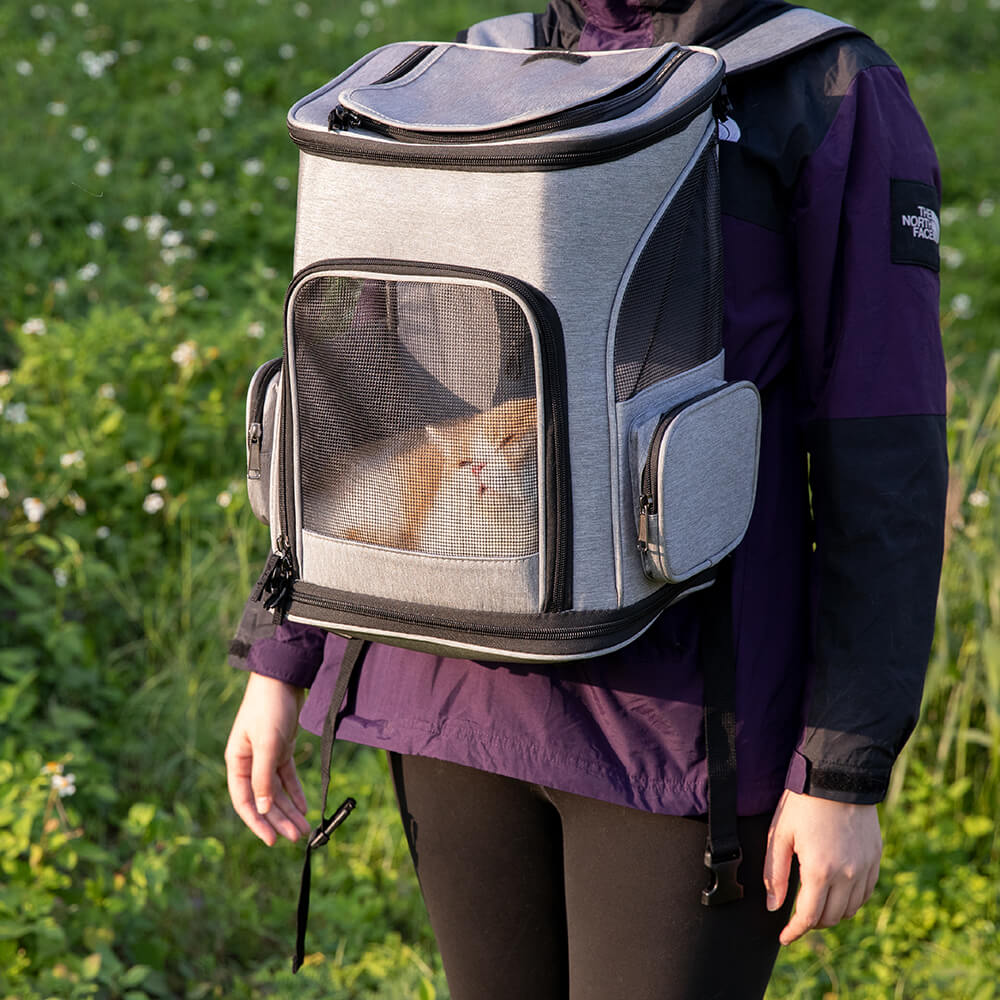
<point x="512" y="31"/>
<point x="795" y="29"/>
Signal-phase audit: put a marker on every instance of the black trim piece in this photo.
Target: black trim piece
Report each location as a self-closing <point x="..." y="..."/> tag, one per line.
<point x="836" y="780"/>
<point x="417" y="56"/>
<point x="545" y="634"/>
<point x="530" y="156"/>
<point x="558" y="595"/>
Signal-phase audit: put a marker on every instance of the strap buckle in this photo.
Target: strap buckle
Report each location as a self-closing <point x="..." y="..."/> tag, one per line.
<point x="726" y="886"/>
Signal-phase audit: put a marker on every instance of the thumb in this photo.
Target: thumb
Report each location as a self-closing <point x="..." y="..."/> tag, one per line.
<point x="263" y="771"/>
<point x="777" y="866"/>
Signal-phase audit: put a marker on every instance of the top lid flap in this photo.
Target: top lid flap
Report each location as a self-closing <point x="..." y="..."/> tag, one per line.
<point x="467" y="88"/>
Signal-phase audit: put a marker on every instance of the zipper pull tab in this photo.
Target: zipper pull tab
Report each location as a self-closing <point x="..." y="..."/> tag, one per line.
<point x="279" y="585"/>
<point x="341" y="119"/>
<point x="255" y="435"/>
<point x="647" y="510"/>
<point x="264" y="579"/>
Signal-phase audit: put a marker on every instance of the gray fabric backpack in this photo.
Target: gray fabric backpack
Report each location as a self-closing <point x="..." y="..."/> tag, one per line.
<point x="501" y="428"/>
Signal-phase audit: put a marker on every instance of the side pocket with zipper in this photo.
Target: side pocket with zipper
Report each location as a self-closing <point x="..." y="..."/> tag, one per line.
<point x="698" y="481"/>
<point x="262" y="398"/>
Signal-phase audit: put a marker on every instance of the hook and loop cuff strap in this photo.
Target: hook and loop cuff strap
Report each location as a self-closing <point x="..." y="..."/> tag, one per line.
<point x="354" y="654"/>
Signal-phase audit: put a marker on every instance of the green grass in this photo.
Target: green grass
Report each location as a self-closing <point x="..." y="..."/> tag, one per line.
<point x="147" y="219"/>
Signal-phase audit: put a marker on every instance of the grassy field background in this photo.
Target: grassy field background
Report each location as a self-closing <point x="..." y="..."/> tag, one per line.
<point x="146" y="221"/>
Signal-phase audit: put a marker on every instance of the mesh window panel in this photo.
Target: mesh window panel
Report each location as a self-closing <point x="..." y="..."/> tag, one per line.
<point x="417" y="415"/>
<point x="671" y="314"/>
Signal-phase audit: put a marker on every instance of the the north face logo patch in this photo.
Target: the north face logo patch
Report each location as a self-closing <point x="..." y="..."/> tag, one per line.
<point x="915" y="224"/>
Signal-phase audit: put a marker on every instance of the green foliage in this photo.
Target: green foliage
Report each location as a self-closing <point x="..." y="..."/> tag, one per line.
<point x="146" y="226"/>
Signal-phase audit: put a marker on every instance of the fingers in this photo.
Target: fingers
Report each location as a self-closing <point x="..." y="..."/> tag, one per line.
<point x="777" y="868"/>
<point x="809" y="907"/>
<point x="238" y="769"/>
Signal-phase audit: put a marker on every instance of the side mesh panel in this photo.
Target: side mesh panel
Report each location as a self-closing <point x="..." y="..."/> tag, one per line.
<point x="671" y="314"/>
<point x="416" y="414"/>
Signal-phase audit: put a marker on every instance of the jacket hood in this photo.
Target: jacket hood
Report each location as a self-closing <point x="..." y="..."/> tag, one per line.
<point x="605" y="24"/>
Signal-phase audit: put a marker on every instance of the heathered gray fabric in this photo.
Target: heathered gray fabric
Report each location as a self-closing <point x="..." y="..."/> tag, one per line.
<point x="473" y="584"/>
<point x="494" y="88"/>
<point x="707" y="473"/>
<point x="512" y="31"/>
<point x="637" y="419"/>
<point x="781" y="34"/>
<point x="521" y="224"/>
<point x="258" y="490"/>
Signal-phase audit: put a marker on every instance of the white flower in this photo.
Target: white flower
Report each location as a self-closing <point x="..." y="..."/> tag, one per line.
<point x="76" y="502"/>
<point x="164" y="294"/>
<point x="131" y="47"/>
<point x="60" y="286"/>
<point x="326" y="26"/>
<point x="224" y="499"/>
<point x="23" y="67"/>
<point x="65" y="784"/>
<point x="51" y="767"/>
<point x="95" y="230"/>
<point x="231" y="99"/>
<point x="199" y="292"/>
<point x="233" y="66"/>
<point x="182" y="64"/>
<point x="4" y="491"/>
<point x="209" y="208"/>
<point x="16" y="413"/>
<point x="90" y="144"/>
<point x="172" y="238"/>
<point x="103" y="532"/>
<point x="255" y="208"/>
<point x="961" y="306"/>
<point x="203" y="43"/>
<point x="177" y="181"/>
<point x="164" y="164"/>
<point x="153" y="503"/>
<point x="185" y="207"/>
<point x="155" y="225"/>
<point x="287" y="51"/>
<point x="80" y="9"/>
<point x="106" y="391"/>
<point x="62" y="578"/>
<point x="131" y="467"/>
<point x="302" y="10"/>
<point x="69" y="458"/>
<point x="132" y="223"/>
<point x="89" y="271"/>
<point x="952" y="257"/>
<point x="103" y="167"/>
<point x="78" y="132"/>
<point x="362" y="28"/>
<point x="255" y="330"/>
<point x="34" y="509"/>
<point x="38" y="11"/>
<point x="205" y="135"/>
<point x="268" y="272"/>
<point x="34" y="326"/>
<point x="986" y="208"/>
<point x="56" y="108"/>
<point x="207" y="235"/>
<point x="206" y="169"/>
<point x="185" y="353"/>
<point x="252" y="167"/>
<point x="979" y="498"/>
<point x="35" y="239"/>
<point x="158" y="483"/>
<point x="369" y="8"/>
<point x="282" y="183"/>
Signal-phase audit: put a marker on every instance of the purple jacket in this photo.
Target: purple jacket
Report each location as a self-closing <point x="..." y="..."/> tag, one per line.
<point x="830" y="204"/>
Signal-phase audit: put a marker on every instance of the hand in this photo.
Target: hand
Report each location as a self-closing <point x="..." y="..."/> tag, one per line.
<point x="260" y="770"/>
<point x="838" y="846"/>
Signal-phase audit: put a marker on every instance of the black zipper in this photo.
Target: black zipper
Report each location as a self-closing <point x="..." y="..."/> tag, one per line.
<point x="601" y="109"/>
<point x="649" y="499"/>
<point x="255" y="431"/>
<point x="418" y="55"/>
<point x="545" y="155"/>
<point x="558" y="500"/>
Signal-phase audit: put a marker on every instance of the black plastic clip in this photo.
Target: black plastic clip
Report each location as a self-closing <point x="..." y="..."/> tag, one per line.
<point x="324" y="831"/>
<point x="726" y="886"/>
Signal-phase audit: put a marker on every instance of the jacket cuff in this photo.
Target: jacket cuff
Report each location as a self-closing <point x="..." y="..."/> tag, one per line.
<point x="293" y="655"/>
<point x="836" y="781"/>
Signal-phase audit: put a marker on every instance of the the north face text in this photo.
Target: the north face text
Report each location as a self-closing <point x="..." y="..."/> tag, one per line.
<point x="916" y="226"/>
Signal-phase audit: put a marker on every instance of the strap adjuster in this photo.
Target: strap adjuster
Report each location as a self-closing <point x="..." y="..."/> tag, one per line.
<point x="726" y="886"/>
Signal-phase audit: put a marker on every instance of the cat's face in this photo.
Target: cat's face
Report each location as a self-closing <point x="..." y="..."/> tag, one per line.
<point x="490" y="459"/>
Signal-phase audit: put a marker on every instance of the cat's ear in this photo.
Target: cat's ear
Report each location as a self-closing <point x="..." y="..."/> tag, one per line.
<point x="439" y="436"/>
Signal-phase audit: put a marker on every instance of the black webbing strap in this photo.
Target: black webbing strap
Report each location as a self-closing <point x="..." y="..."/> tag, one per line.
<point x="353" y="656"/>
<point x="723" y="853"/>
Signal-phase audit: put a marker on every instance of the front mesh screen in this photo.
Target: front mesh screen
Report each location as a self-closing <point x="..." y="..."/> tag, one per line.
<point x="671" y="314"/>
<point x="416" y="415"/>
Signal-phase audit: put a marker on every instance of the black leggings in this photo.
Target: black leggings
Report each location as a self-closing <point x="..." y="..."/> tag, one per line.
<point x="536" y="894"/>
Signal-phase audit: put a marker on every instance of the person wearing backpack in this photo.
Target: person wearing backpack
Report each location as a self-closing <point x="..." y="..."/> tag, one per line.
<point x="556" y="817"/>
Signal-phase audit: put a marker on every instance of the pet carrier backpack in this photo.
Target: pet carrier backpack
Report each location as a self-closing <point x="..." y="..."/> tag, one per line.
<point x="500" y="427"/>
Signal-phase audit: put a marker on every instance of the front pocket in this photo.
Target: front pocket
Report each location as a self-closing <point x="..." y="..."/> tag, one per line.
<point x="422" y="430"/>
<point x="698" y="480"/>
